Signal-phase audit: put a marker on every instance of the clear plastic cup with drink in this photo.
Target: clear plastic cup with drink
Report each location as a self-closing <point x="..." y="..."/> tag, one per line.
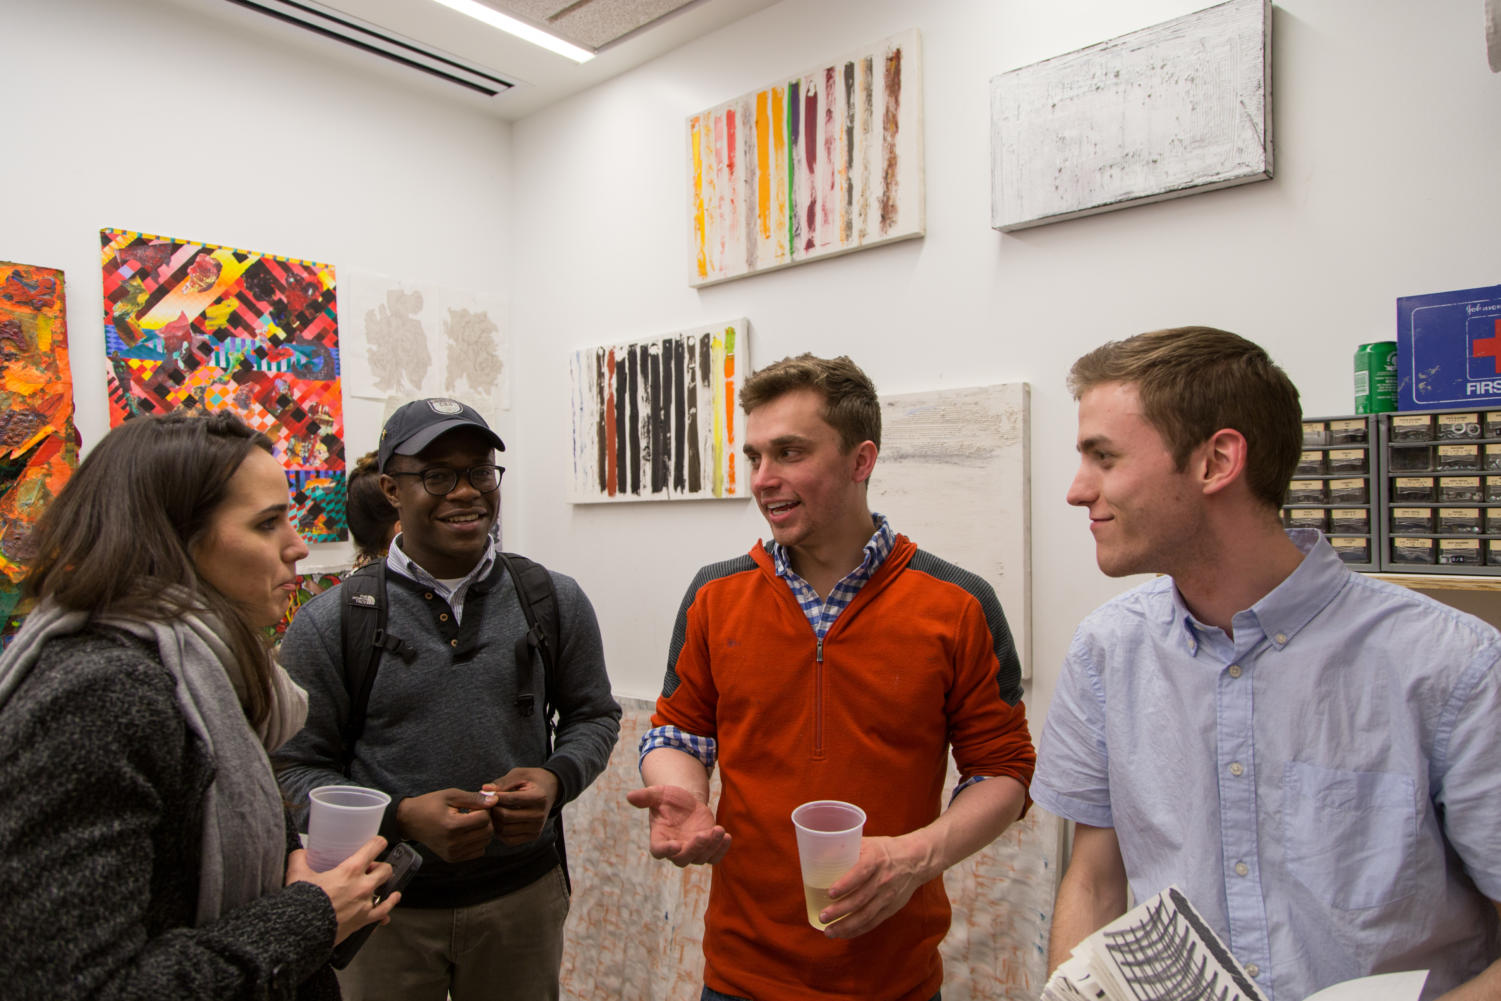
<point x="828" y="845"/>
<point x="340" y="820"/>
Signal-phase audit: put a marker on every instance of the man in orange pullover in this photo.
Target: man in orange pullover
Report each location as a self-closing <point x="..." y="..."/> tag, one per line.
<point x="839" y="661"/>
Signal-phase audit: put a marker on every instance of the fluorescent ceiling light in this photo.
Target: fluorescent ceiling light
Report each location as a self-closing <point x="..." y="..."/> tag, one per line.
<point x="520" y="29"/>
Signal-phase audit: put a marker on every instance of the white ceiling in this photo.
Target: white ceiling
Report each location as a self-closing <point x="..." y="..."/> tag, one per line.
<point x="592" y="24"/>
<point x="540" y="77"/>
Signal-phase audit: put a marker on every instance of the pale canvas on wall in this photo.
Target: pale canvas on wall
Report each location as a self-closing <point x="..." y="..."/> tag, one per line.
<point x="406" y="339"/>
<point x="820" y="163"/>
<point x="1175" y="109"/>
<point x="658" y="419"/>
<point x="954" y="475"/>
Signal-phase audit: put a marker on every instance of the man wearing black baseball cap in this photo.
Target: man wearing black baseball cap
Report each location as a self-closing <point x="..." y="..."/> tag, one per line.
<point x="416" y="425"/>
<point x="451" y="730"/>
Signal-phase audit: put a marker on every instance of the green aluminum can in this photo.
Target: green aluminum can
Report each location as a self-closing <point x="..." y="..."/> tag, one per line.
<point x="1376" y="377"/>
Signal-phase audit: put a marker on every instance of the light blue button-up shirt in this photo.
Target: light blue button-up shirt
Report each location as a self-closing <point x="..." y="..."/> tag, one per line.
<point x="1325" y="786"/>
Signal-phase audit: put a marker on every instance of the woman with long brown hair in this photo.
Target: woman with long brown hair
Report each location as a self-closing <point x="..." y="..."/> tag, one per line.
<point x="144" y="847"/>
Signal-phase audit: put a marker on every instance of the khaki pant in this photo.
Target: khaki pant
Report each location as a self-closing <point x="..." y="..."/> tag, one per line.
<point x="506" y="949"/>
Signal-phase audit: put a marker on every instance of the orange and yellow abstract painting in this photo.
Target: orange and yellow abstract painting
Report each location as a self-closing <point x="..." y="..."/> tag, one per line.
<point x="38" y="441"/>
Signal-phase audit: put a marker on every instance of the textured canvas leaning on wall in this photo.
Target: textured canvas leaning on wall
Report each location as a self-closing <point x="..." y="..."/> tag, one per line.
<point x="658" y="419"/>
<point x="197" y="326"/>
<point x="38" y="441"/>
<point x="955" y="475"/>
<point x="820" y="163"/>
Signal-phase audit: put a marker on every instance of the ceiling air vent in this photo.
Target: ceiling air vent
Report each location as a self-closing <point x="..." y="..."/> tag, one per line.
<point x="372" y="38"/>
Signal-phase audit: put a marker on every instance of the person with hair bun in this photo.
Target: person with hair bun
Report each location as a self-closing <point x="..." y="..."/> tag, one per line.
<point x="144" y="846"/>
<point x="373" y="522"/>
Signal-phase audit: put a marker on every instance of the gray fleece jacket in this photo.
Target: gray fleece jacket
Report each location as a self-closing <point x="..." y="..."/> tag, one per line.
<point x="448" y="716"/>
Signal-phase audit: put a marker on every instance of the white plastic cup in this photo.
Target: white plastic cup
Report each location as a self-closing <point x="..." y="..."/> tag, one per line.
<point x="828" y="846"/>
<point x="340" y="820"/>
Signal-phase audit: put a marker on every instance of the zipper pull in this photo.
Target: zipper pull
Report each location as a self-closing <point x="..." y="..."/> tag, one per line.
<point x="820" y="649"/>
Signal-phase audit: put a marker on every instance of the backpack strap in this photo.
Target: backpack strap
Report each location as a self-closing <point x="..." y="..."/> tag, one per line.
<point x="539" y="603"/>
<point x="362" y="632"/>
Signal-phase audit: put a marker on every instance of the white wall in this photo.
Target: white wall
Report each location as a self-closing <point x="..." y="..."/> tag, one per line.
<point x="191" y="118"/>
<point x="196" y="119"/>
<point x="1387" y="131"/>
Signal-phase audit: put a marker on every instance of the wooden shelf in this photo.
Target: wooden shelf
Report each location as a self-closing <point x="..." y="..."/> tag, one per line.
<point x="1441" y="582"/>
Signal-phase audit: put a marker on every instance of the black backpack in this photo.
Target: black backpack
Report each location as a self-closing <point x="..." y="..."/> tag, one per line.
<point x="362" y="630"/>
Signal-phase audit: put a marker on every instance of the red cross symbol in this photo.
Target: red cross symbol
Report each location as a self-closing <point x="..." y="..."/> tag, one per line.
<point x="1489" y="347"/>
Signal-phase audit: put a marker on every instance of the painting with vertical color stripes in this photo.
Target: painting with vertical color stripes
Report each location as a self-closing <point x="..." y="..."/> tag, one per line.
<point x="818" y="164"/>
<point x="659" y="419"/>
<point x="194" y="326"/>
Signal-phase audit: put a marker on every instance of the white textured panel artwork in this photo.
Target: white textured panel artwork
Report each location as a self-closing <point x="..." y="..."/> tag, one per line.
<point x="1175" y="109"/>
<point x="954" y="476"/>
<point x="403" y="340"/>
<point x="636" y="925"/>
<point x="1493" y="34"/>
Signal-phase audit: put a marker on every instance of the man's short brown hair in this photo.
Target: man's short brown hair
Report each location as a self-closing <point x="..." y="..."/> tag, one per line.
<point x="1194" y="381"/>
<point x="851" y="406"/>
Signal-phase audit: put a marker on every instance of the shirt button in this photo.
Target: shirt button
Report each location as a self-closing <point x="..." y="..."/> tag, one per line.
<point x="428" y="596"/>
<point x="1237" y="769"/>
<point x="1241" y="869"/>
<point x="1280" y="637"/>
<point x="1233" y="670"/>
<point x="453" y="642"/>
<point x="442" y="616"/>
<point x="1253" y="969"/>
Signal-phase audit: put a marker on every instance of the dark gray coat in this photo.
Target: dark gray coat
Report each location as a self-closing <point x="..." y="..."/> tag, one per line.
<point x="101" y="789"/>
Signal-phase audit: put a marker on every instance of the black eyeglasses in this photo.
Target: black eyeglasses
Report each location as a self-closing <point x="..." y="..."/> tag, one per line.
<point x="440" y="480"/>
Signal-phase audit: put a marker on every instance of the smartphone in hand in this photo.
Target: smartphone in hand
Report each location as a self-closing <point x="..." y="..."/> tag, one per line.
<point x="404" y="862"/>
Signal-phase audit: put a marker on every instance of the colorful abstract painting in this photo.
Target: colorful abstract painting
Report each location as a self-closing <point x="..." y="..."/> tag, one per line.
<point x="38" y="442"/>
<point x="191" y="326"/>
<point x="657" y="419"/>
<point x="309" y="586"/>
<point x="823" y="163"/>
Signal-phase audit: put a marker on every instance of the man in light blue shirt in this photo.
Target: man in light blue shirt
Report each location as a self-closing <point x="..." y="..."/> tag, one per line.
<point x="1313" y="756"/>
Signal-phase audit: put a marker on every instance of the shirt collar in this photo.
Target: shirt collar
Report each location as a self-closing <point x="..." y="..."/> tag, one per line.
<point x="1283" y="612"/>
<point x="876" y="550"/>
<point x="399" y="561"/>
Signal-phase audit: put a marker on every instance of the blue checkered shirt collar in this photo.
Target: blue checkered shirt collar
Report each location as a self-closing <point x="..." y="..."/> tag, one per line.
<point x="821" y="613"/>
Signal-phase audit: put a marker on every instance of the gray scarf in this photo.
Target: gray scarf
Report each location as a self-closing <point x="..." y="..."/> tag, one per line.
<point x="244" y="847"/>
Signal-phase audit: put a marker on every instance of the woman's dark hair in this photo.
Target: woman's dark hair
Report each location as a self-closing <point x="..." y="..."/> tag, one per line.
<point x="370" y="515"/>
<point x="118" y="539"/>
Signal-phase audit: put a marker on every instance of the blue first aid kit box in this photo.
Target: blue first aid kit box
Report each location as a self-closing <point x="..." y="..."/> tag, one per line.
<point x="1449" y="349"/>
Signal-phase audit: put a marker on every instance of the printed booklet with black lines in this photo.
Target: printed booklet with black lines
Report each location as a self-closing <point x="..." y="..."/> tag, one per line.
<point x="1163" y="950"/>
